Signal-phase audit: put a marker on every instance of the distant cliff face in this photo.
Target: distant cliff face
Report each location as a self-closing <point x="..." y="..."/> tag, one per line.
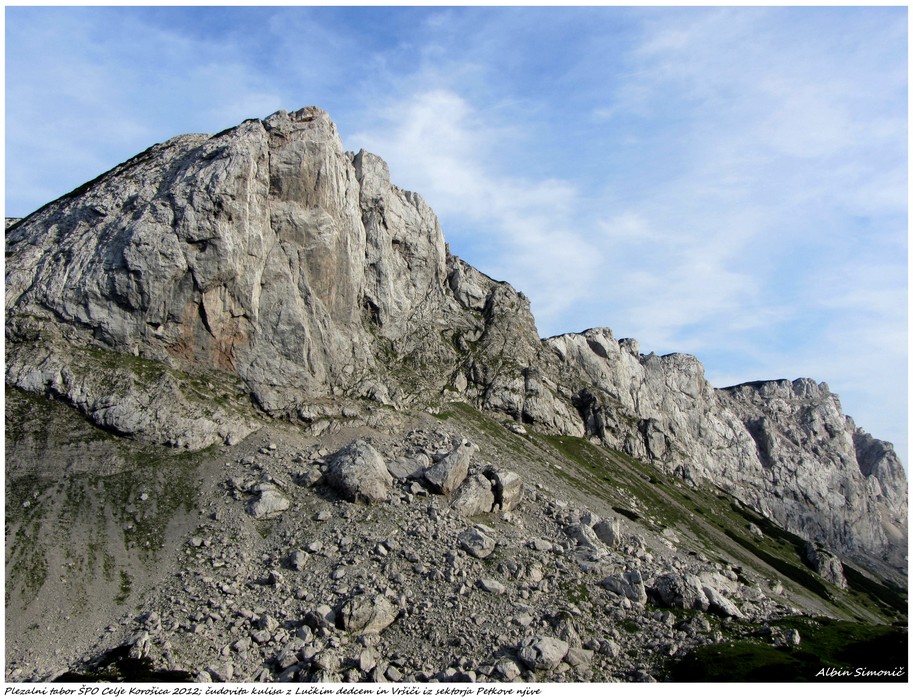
<point x="267" y="263"/>
<point x="784" y="448"/>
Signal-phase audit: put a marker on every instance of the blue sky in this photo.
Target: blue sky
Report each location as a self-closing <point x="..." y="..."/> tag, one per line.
<point x="728" y="182"/>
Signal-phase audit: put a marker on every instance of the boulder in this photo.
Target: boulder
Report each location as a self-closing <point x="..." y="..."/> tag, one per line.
<point x="720" y="605"/>
<point x="507" y="668"/>
<point x="828" y="566"/>
<point x="474" y="497"/>
<point x="360" y="474"/>
<point x="445" y="476"/>
<point x="407" y="467"/>
<point x="490" y="585"/>
<point x="681" y="591"/>
<point x="543" y="653"/>
<point x="508" y="489"/>
<point x="269" y="503"/>
<point x="584" y="536"/>
<point x="629" y="584"/>
<point x="477" y="541"/>
<point x="366" y="614"/>
<point x="297" y="560"/>
<point x="609" y="532"/>
<point x="579" y="658"/>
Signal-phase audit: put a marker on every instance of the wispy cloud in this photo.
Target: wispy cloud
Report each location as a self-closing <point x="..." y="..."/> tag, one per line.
<point x="746" y="172"/>
<point x="786" y="250"/>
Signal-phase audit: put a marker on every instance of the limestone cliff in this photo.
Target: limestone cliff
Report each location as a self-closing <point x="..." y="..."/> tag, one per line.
<point x="213" y="280"/>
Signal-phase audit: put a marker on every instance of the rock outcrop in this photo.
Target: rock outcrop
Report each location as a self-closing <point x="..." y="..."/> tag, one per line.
<point x="214" y="280"/>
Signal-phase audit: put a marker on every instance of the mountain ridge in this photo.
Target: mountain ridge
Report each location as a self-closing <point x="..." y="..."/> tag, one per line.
<point x="265" y="279"/>
<point x="259" y="255"/>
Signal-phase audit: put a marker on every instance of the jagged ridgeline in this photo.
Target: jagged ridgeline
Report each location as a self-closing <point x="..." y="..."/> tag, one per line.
<point x="161" y="317"/>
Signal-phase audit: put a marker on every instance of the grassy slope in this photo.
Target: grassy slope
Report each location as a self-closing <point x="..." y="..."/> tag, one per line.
<point x="90" y="519"/>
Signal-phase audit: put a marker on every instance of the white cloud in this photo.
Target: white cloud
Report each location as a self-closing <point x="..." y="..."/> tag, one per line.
<point x="786" y="252"/>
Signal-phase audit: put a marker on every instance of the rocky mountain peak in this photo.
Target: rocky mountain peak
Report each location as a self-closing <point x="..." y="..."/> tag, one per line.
<point x="213" y="282"/>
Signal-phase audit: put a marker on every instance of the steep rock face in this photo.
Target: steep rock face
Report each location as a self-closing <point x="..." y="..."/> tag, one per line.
<point x="807" y="455"/>
<point x="783" y="448"/>
<point x="284" y="268"/>
<point x="269" y="253"/>
<point x="228" y="251"/>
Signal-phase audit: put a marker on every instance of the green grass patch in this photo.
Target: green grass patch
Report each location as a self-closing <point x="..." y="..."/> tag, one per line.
<point x="629" y="626"/>
<point x="145" y="497"/>
<point x="890" y="598"/>
<point x="26" y="564"/>
<point x="825" y="644"/>
<point x="576" y="593"/>
<point x="799" y="574"/>
<point x="126" y="587"/>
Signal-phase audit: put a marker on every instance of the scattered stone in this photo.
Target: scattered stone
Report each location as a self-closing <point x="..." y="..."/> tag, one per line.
<point x="583" y="535"/>
<point x="609" y="648"/>
<point x="507" y="668"/>
<point x="629" y="584"/>
<point x="267" y="622"/>
<point x="490" y="585"/>
<point x="261" y="636"/>
<point x="327" y="661"/>
<point x="297" y="560"/>
<point x="367" y="660"/>
<point x="309" y="477"/>
<point x="579" y="658"/>
<point x="269" y="503"/>
<point x="720" y="605"/>
<point x="609" y="532"/>
<point x="286" y="658"/>
<point x="677" y="591"/>
<point x="407" y="467"/>
<point x="477" y="541"/>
